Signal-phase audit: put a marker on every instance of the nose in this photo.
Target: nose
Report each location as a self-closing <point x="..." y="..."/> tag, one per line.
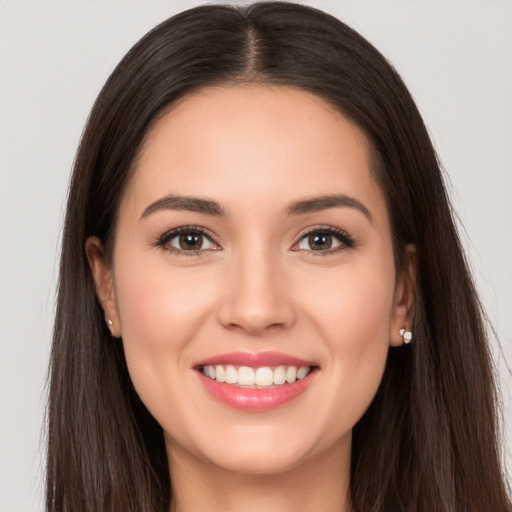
<point x="257" y="297"/>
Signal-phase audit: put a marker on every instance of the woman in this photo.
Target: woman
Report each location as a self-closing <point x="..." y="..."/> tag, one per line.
<point x="263" y="302"/>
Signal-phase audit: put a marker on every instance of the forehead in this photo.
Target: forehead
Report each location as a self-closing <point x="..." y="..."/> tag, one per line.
<point x="253" y="142"/>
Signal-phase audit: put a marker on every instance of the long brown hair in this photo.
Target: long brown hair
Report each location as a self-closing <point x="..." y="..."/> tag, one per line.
<point x="428" y="442"/>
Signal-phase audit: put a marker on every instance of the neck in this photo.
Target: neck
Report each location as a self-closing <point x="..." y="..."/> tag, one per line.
<point x="320" y="483"/>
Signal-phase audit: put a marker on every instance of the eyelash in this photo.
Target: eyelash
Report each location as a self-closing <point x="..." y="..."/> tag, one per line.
<point x="163" y="241"/>
<point x="346" y="241"/>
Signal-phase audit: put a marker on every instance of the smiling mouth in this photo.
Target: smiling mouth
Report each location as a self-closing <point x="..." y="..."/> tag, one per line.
<point x="262" y="377"/>
<point x="256" y="382"/>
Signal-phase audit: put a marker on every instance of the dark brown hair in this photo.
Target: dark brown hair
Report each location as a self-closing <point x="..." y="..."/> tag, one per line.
<point x="428" y="442"/>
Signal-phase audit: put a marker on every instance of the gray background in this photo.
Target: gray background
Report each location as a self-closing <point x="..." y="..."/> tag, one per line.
<point x="456" y="57"/>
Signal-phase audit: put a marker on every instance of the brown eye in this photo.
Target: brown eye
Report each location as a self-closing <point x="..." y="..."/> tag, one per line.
<point x="319" y="241"/>
<point x="188" y="241"/>
<point x="324" y="240"/>
<point x="191" y="241"/>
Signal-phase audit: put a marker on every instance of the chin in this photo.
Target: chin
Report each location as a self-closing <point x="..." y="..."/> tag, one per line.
<point x="264" y="450"/>
<point x="258" y="460"/>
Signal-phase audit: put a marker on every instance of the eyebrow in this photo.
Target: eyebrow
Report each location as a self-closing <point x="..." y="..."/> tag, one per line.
<point x="210" y="207"/>
<point x="317" y="204"/>
<point x="185" y="203"/>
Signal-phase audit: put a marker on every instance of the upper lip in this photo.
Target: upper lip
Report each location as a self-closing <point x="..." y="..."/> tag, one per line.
<point x="255" y="360"/>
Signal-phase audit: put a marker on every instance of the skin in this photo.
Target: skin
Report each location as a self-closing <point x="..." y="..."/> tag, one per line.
<point x="258" y="287"/>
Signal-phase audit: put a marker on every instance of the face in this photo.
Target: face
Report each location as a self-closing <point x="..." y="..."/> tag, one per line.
<point x="253" y="245"/>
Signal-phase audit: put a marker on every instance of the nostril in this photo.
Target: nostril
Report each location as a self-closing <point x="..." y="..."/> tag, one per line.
<point x="255" y="300"/>
<point x="256" y="322"/>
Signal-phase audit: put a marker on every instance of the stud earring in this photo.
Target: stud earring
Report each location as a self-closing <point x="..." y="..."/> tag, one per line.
<point x="406" y="335"/>
<point x="110" y="326"/>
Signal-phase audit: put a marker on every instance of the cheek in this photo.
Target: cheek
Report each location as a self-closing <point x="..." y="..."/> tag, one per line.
<point x="353" y="317"/>
<point x="354" y="305"/>
<point x="159" y="306"/>
<point x="160" y="312"/>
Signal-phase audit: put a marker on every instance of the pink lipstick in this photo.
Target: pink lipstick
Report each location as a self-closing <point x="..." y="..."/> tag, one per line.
<point x="255" y="381"/>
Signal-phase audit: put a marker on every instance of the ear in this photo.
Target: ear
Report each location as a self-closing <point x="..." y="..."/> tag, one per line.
<point x="405" y="289"/>
<point x="104" y="282"/>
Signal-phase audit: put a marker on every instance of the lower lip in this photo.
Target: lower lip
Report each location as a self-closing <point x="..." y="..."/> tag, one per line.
<point x="251" y="399"/>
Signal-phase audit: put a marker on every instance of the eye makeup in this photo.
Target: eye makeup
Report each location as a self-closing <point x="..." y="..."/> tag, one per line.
<point x="193" y="240"/>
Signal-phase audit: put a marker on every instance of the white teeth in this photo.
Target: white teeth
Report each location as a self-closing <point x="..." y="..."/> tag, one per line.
<point x="245" y="376"/>
<point x="291" y="374"/>
<point x="302" y="372"/>
<point x="264" y="376"/>
<point x="279" y="375"/>
<point x="220" y="374"/>
<point x="261" y="377"/>
<point x="231" y="374"/>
